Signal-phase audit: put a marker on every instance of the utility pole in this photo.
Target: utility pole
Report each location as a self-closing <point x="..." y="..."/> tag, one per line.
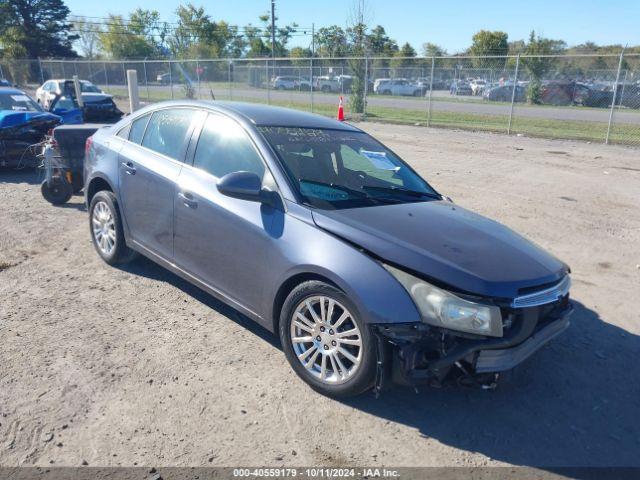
<point x="273" y="31"/>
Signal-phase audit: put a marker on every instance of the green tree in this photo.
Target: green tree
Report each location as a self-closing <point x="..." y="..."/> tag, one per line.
<point x="300" y="53"/>
<point x="537" y="61"/>
<point x="88" y="36"/>
<point x="141" y="36"/>
<point x="404" y="57"/>
<point x="36" y="28"/>
<point x="485" y="43"/>
<point x="380" y="44"/>
<point x="356" y="36"/>
<point x="432" y="50"/>
<point x="331" y="41"/>
<point x="255" y="42"/>
<point x="198" y="36"/>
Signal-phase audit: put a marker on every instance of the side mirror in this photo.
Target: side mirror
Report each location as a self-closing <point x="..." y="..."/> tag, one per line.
<point x="243" y="185"/>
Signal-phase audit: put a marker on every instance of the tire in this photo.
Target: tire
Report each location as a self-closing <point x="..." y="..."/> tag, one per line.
<point x="56" y="192"/>
<point x="341" y="376"/>
<point x="113" y="249"/>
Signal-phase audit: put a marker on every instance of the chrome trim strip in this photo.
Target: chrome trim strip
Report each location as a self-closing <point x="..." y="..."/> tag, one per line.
<point x="543" y="297"/>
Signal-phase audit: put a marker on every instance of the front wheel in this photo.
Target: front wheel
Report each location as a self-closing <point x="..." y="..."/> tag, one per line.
<point x="326" y="342"/>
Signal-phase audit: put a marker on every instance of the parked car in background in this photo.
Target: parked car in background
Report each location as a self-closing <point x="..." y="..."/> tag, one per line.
<point x="460" y="87"/>
<point x="348" y="276"/>
<point x="477" y="86"/>
<point x="51" y="89"/>
<point x="303" y="84"/>
<point x="400" y="86"/>
<point x="164" y="78"/>
<point x="327" y="84"/>
<point x="284" y="83"/>
<point x="379" y="83"/>
<point x="5" y="83"/>
<point x="504" y="93"/>
<point x="23" y="123"/>
<point x="98" y="106"/>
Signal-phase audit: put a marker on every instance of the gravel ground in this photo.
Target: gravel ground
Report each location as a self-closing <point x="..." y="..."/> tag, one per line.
<point x="134" y="366"/>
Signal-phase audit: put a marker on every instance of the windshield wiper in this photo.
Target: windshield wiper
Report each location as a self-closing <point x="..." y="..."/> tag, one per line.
<point x="404" y="191"/>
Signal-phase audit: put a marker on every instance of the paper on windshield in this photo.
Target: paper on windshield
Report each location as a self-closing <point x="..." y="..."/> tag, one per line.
<point x="379" y="160"/>
<point x="20" y="98"/>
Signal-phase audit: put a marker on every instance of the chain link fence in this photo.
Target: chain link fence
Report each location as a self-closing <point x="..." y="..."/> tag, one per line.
<point x="585" y="97"/>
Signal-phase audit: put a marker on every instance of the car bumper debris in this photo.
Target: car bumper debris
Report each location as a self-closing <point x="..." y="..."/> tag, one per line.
<point x="419" y="354"/>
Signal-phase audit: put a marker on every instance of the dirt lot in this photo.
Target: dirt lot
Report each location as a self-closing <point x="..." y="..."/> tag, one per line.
<point x="136" y="367"/>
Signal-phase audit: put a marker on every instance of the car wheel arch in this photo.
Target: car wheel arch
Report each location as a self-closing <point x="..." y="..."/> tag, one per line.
<point x="289" y="285"/>
<point x="96" y="185"/>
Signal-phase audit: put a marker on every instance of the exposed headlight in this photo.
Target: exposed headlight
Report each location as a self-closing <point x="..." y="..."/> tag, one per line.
<point x="444" y="309"/>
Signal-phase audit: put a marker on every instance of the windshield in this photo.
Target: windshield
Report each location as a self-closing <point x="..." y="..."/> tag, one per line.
<point x="89" y="88"/>
<point x="18" y="102"/>
<point x="334" y="169"/>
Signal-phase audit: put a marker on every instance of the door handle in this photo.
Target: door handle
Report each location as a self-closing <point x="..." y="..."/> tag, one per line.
<point x="187" y="199"/>
<point x="129" y="168"/>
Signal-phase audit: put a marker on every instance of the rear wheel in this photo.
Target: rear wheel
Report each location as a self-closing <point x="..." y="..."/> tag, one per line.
<point x="106" y="229"/>
<point x="326" y="342"/>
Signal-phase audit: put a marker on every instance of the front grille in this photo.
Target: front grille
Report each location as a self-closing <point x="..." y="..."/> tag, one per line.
<point x="542" y="297"/>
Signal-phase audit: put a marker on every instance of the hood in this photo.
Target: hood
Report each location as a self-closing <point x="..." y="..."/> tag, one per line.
<point x="13" y="118"/>
<point x="448" y="244"/>
<point x="91" y="97"/>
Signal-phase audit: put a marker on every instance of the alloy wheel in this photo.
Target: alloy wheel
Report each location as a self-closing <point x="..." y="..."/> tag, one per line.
<point x="326" y="339"/>
<point x="103" y="227"/>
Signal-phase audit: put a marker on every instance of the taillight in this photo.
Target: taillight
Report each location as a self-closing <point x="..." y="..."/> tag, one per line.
<point x="87" y="145"/>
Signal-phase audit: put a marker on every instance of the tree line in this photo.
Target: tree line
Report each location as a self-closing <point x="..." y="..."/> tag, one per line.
<point x="45" y="28"/>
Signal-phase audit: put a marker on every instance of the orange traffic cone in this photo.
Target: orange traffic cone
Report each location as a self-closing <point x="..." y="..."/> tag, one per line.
<point x="340" y="111"/>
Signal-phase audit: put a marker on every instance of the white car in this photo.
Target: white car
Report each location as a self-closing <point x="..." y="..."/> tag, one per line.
<point x="290" y="82"/>
<point x="478" y="86"/>
<point x="399" y="86"/>
<point x="327" y="84"/>
<point x="51" y="89"/>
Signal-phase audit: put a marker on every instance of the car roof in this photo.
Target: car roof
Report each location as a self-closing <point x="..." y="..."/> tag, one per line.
<point x="65" y="80"/>
<point x="260" y="114"/>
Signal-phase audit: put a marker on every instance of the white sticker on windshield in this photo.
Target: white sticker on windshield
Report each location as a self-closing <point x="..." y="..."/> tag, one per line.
<point x="20" y="98"/>
<point x="379" y="160"/>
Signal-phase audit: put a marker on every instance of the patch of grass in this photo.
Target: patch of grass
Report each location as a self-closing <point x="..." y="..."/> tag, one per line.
<point x="531" y="126"/>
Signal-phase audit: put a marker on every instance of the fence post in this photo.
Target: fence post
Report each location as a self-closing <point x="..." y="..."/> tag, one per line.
<point x="366" y="87"/>
<point x="132" y="83"/>
<point x="433" y="66"/>
<point x="146" y="82"/>
<point x="266" y="74"/>
<point x="513" y="94"/>
<point x="41" y="72"/>
<point x="613" y="102"/>
<point x="171" y="79"/>
<point x="311" y="80"/>
<point x="229" y="79"/>
<point x="198" y="77"/>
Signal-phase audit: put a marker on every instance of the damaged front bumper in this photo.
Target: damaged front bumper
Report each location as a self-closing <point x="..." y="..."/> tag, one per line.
<point x="419" y="354"/>
<point x="18" y="139"/>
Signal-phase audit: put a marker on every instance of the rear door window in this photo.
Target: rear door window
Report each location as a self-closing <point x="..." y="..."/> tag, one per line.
<point x="167" y="131"/>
